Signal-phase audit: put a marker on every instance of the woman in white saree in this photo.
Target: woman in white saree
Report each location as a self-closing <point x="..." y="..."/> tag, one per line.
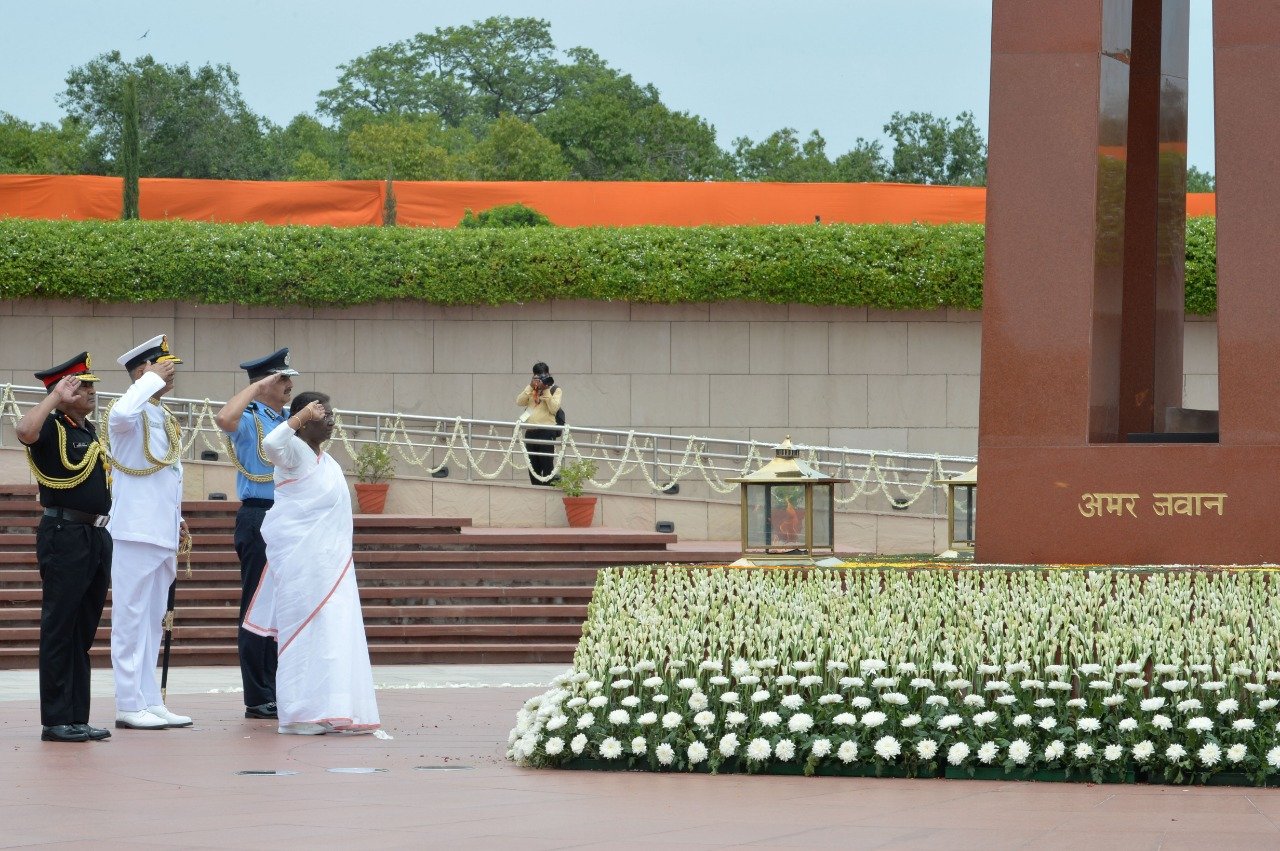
<point x="307" y="599"/>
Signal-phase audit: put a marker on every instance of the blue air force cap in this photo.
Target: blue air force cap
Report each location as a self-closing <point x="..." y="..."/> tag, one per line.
<point x="274" y="363"/>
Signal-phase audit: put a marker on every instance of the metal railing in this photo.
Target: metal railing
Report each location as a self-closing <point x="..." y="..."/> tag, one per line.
<point x="494" y="450"/>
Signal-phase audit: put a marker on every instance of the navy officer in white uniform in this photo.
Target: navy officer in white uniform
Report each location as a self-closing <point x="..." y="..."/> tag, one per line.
<point x="247" y="418"/>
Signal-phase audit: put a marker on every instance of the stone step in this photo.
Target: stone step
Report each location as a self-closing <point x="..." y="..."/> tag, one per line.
<point x="407" y="653"/>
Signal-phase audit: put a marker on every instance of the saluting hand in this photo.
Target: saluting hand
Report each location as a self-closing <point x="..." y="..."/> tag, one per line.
<point x="165" y="369"/>
<point x="313" y="412"/>
<point x="266" y="386"/>
<point x="65" y="390"/>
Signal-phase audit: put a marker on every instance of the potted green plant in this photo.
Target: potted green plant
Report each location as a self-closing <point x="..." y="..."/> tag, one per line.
<point x="374" y="468"/>
<point x="580" y="510"/>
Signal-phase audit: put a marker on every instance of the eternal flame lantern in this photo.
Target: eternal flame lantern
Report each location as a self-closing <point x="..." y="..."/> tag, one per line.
<point x="962" y="511"/>
<point x="788" y="512"/>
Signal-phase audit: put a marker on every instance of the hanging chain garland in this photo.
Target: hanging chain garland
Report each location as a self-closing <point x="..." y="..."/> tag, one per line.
<point x="82" y="470"/>
<point x="171" y="429"/>
<point x="868" y="479"/>
<point x="260" y="478"/>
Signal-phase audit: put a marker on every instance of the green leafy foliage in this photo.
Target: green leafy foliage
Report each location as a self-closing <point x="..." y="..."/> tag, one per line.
<point x="574" y="476"/>
<point x="505" y="216"/>
<point x="373" y="464"/>
<point x="898" y="267"/>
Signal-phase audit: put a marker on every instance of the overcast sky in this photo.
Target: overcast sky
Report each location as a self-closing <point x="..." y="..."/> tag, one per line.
<point x="747" y="66"/>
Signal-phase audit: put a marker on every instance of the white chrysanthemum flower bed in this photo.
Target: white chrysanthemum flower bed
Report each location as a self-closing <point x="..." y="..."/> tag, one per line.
<point x="1092" y="673"/>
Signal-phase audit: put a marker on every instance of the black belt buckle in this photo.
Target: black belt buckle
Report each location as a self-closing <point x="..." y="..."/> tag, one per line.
<point x="97" y="520"/>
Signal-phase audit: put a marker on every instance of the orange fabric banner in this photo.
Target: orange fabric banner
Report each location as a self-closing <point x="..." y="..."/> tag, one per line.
<point x="442" y="204"/>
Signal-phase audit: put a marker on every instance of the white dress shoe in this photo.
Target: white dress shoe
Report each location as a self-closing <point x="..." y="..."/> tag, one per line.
<point x="140" y="719"/>
<point x="302" y="728"/>
<point x="171" y="719"/>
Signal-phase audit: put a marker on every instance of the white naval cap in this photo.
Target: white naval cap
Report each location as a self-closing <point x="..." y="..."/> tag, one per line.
<point x="153" y="350"/>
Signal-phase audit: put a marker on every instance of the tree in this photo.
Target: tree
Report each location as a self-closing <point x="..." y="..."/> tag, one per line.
<point x="129" y="149"/>
<point x="515" y="150"/>
<point x="411" y="149"/>
<point x="864" y="163"/>
<point x="308" y="149"/>
<point x="929" y="150"/>
<point x="191" y="123"/>
<point x="40" y="149"/>
<point x="781" y="156"/>
<point x="1200" y="181"/>
<point x="498" y="66"/>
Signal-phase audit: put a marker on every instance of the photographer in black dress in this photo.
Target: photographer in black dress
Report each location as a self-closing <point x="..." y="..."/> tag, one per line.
<point x="541" y="403"/>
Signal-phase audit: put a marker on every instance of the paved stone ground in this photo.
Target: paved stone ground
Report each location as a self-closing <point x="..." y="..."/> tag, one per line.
<point x="180" y="788"/>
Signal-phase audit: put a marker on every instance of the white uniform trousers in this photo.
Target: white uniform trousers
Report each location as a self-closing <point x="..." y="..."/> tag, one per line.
<point x="140" y="578"/>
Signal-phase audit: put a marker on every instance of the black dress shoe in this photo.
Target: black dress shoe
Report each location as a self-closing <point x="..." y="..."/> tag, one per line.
<point x="262" y="711"/>
<point x="95" y="734"/>
<point x="64" y="733"/>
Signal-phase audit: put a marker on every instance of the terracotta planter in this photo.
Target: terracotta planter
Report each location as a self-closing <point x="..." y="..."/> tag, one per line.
<point x="580" y="510"/>
<point x="372" y="497"/>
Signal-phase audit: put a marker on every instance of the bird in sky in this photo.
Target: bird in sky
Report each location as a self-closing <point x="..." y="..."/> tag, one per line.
<point x="144" y="35"/>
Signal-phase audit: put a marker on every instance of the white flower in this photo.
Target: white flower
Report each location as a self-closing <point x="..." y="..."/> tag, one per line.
<point x="873" y="719"/>
<point x="621" y="684"/>
<point x="846" y="719"/>
<point x="1084" y="750"/>
<point x="1174" y="685"/>
<point x="1057" y="670"/>
<point x="553" y="745"/>
<point x="949" y="722"/>
<point x="580" y="677"/>
<point x="958" y="685"/>
<point x="957" y="753"/>
<point x="740" y="667"/>
<point x="1077" y="703"/>
<point x="711" y="665"/>
<point x="927" y="749"/>
<point x="611" y="748"/>
<point x="1236" y="753"/>
<point x="1165" y="669"/>
<point x="1055" y="750"/>
<point x="575" y="702"/>
<point x="802" y="666"/>
<point x="1128" y="668"/>
<point x="810" y="681"/>
<point x="996" y="685"/>
<point x="704" y="719"/>
<point x="935" y="700"/>
<point x="922" y="682"/>
<point x="665" y="753"/>
<point x="792" y="701"/>
<point x="1143" y="750"/>
<point x="1200" y="724"/>
<point x="1151" y="704"/>
<point x="1244" y="725"/>
<point x="631" y="701"/>
<point x="1273" y="757"/>
<point x="1128" y="725"/>
<point x="1059" y="685"/>
<point x="988" y="670"/>
<point x="1161" y="722"/>
<point x="1209" y="754"/>
<point x="729" y="744"/>
<point x="647" y="718"/>
<point x="586" y="720"/>
<point x="734" y="719"/>
<point x="906" y="667"/>
<point x="982" y="719"/>
<point x="852" y="682"/>
<point x="1268" y="704"/>
<point x="1022" y="720"/>
<point x="910" y="721"/>
<point x="579" y="742"/>
<point x="1088" y="725"/>
<point x="697" y="752"/>
<point x="800" y="723"/>
<point x="659" y="698"/>
<point x="944" y="668"/>
<point x="894" y="698"/>
<point x="887" y="747"/>
<point x="1044" y="702"/>
<point x="1135" y="682"/>
<point x="1090" y="670"/>
<point x="749" y="680"/>
<point x="1006" y="700"/>
<point x="639" y="746"/>
<point x="1255" y="688"/>
<point x="760" y="696"/>
<point x="1173" y="753"/>
<point x="765" y="664"/>
<point x="833" y="665"/>
<point x="870" y="666"/>
<point x="988" y="752"/>
<point x="1017" y="668"/>
<point x="828" y="699"/>
<point x="698" y="701"/>
<point x="671" y="720"/>
<point x="1228" y="705"/>
<point x="759" y="749"/>
<point x="598" y="701"/>
<point x="1112" y="700"/>
<point x="848" y="752"/>
<point x="860" y="702"/>
<point x="593" y="686"/>
<point x="1239" y="669"/>
<point x="1111" y="753"/>
<point x="729" y="697"/>
<point x="784" y="680"/>
<point x="974" y="700"/>
<point x="719" y="680"/>
<point x="820" y="747"/>
<point x="1032" y="684"/>
<point x="1189" y="705"/>
<point x="1048" y="723"/>
<point x="784" y="750"/>
<point x="770" y="719"/>
<point x="555" y="722"/>
<point x="619" y="716"/>
<point x="644" y="665"/>
<point x="687" y="683"/>
<point x="618" y="669"/>
<point x="1019" y="751"/>
<point x="884" y="682"/>
<point x="1101" y="685"/>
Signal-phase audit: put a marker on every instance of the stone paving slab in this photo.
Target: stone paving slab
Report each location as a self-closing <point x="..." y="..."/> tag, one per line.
<point x="180" y="789"/>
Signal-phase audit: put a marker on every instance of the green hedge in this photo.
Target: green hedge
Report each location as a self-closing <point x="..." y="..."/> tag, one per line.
<point x="886" y="266"/>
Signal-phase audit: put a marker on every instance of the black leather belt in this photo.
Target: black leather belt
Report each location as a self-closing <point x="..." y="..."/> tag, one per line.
<point x="74" y="516"/>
